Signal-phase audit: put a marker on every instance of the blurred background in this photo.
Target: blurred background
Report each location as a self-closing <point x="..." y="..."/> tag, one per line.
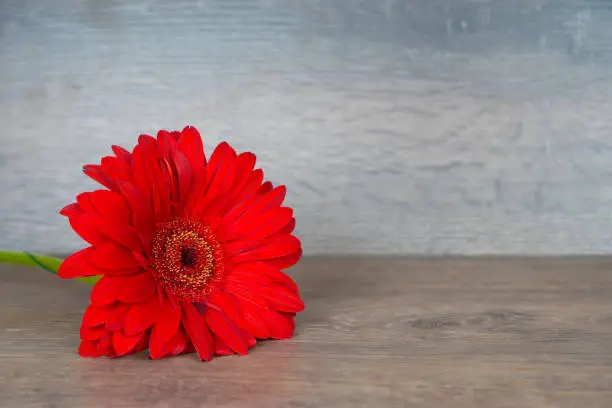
<point x="399" y="126"/>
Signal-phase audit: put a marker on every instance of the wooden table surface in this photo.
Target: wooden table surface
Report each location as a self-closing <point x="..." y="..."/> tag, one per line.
<point x="384" y="332"/>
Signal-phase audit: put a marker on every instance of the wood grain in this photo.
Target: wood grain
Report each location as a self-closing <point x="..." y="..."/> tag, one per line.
<point x="386" y="332"/>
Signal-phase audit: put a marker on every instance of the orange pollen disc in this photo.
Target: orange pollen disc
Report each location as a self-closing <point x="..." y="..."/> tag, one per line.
<point x="187" y="259"/>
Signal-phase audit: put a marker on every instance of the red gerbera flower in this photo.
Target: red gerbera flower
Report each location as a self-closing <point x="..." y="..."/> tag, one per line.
<point x="190" y="251"/>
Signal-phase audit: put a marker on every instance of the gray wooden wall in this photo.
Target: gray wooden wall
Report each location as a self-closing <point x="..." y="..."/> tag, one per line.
<point x="399" y="126"/>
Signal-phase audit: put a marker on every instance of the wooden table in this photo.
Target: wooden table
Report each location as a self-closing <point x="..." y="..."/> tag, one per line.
<point x="383" y="332"/>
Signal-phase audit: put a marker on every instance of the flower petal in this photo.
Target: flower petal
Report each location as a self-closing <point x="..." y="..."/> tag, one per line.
<point x="221" y="347"/>
<point x="166" y="323"/>
<point x="124" y="344"/>
<point x="267" y="270"/>
<point x="288" y="229"/>
<point x="142" y="211"/>
<point x="184" y="175"/>
<point x="141" y="316"/>
<point x="95" y="316"/>
<point x="106" y="289"/>
<point x="175" y="346"/>
<point x="115" y="169"/>
<point x="223" y="327"/>
<point x="282" y="299"/>
<point x="262" y="225"/>
<point x="70" y="209"/>
<point x="90" y="349"/>
<point x="92" y="333"/>
<point x="111" y="256"/>
<point x="77" y="265"/>
<point x="191" y="145"/>
<point x="220" y="174"/>
<point x="122" y="154"/>
<point x="116" y="319"/>
<point x="110" y="205"/>
<point x="265" y="188"/>
<point x="87" y="228"/>
<point x="286" y="261"/>
<point x="198" y="332"/>
<point x="280" y="327"/>
<point x="251" y="321"/>
<point x="137" y="288"/>
<point x="95" y="172"/>
<point x="276" y="247"/>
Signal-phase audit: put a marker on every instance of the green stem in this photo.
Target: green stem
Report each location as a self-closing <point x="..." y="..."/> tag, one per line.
<point x="48" y="263"/>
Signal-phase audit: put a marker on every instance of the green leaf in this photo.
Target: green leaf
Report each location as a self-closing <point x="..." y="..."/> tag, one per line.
<point x="48" y="263"/>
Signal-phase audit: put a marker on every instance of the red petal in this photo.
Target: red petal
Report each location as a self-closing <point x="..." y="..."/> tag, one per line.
<point x="184" y="174"/>
<point x="198" y="332"/>
<point x="251" y="321"/>
<point x="96" y="230"/>
<point x="142" y="211"/>
<point x="249" y="278"/>
<point x="122" y="154"/>
<point x="137" y="288"/>
<point x="282" y="299"/>
<point x="265" y="188"/>
<point x="245" y="292"/>
<point x="116" y="319"/>
<point x="252" y="185"/>
<point x="219" y="178"/>
<point x="90" y="349"/>
<point x="226" y="302"/>
<point x="175" y="346"/>
<point x="247" y="215"/>
<point x="124" y="344"/>
<point x="190" y="144"/>
<point x="95" y="172"/>
<point x="95" y="316"/>
<point x="166" y="324"/>
<point x="105" y="290"/>
<point x="262" y="225"/>
<point x="271" y="199"/>
<point x="143" y="344"/>
<point x="110" y="206"/>
<point x="92" y="333"/>
<point x="288" y="229"/>
<point x="290" y="319"/>
<point x="244" y="168"/>
<point x="276" y="247"/>
<point x="221" y="347"/>
<point x="245" y="163"/>
<point x="251" y="341"/>
<point x="85" y="204"/>
<point x="87" y="228"/>
<point x="286" y="261"/>
<point x="141" y="316"/>
<point x="222" y="326"/>
<point x="271" y="272"/>
<point x="115" y="169"/>
<point x="167" y="142"/>
<point x="70" y="209"/>
<point x="139" y="171"/>
<point x="124" y="235"/>
<point x="77" y="265"/>
<point x="279" y="325"/>
<point x="112" y="256"/>
<point x="105" y="343"/>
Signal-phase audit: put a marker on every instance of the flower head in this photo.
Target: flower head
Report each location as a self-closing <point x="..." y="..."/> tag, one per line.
<point x="190" y="251"/>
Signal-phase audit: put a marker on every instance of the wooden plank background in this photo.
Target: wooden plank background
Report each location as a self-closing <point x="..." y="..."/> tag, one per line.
<point x="399" y="126"/>
<point x="376" y="332"/>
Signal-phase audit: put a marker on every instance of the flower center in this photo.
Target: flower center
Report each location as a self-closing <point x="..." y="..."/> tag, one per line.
<point x="187" y="259"/>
